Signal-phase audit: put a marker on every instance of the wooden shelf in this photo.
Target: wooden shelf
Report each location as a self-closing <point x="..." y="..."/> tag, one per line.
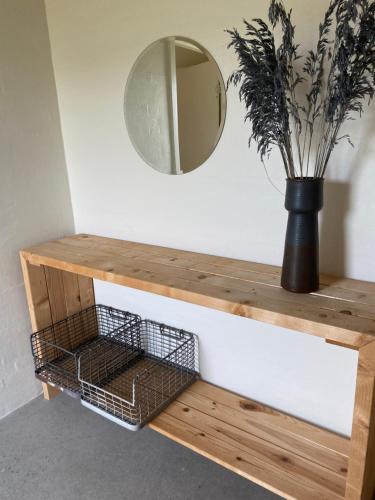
<point x="342" y="311"/>
<point x="280" y="452"/>
<point x="286" y="455"/>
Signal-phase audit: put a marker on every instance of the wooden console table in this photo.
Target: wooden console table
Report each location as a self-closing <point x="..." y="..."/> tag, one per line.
<point x="282" y="453"/>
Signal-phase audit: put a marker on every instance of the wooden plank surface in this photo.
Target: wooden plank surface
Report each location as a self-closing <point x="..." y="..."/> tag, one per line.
<point x="86" y="291"/>
<point x="56" y="293"/>
<point x="361" y="474"/>
<point x="39" y="306"/>
<point x="286" y="455"/>
<point x="52" y="295"/>
<point x="68" y="293"/>
<point x="342" y="311"/>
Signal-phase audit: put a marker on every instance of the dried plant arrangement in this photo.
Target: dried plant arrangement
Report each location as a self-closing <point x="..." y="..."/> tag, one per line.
<point x="299" y="105"/>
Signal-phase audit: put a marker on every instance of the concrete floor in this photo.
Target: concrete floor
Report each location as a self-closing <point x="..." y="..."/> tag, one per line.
<point x="59" y="450"/>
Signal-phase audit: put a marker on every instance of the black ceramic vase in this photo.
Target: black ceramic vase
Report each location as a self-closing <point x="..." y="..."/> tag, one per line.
<point x="303" y="200"/>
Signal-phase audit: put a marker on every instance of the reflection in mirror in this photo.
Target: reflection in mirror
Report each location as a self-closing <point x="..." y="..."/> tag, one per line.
<point x="175" y="105"/>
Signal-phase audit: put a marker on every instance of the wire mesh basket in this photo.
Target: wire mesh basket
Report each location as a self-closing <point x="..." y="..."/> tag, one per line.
<point x="141" y="374"/>
<point x="56" y="349"/>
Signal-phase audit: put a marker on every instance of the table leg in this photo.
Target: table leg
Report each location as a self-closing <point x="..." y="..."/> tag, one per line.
<point x="361" y="473"/>
<point x="53" y="295"/>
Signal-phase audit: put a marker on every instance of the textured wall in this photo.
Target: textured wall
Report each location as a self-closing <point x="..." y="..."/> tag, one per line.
<point x="226" y="207"/>
<point x="34" y="194"/>
<point x="148" y="108"/>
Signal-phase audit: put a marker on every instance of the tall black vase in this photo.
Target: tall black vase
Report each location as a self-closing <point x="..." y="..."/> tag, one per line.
<point x="303" y="200"/>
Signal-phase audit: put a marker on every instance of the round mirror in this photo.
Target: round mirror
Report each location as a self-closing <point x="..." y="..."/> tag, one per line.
<point x="175" y="105"/>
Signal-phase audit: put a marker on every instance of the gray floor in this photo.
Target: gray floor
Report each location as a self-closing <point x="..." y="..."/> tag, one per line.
<point x="59" y="450"/>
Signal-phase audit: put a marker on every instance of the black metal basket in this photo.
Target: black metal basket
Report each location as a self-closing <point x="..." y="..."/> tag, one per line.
<point x="142" y="373"/>
<point x="56" y="349"/>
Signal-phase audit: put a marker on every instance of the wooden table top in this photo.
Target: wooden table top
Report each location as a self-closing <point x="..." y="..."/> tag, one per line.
<point x="342" y="311"/>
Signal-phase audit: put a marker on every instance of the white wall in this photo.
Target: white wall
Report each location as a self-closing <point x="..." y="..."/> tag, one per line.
<point x="226" y="207"/>
<point x="34" y="194"/>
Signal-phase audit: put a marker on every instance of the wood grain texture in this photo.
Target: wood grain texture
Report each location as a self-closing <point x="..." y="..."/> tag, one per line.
<point x="290" y="457"/>
<point x="71" y="293"/>
<point x="68" y="294"/>
<point x="56" y="294"/>
<point x="36" y="295"/>
<point x="39" y="306"/>
<point x="86" y="291"/>
<point x="342" y="312"/>
<point x="52" y="295"/>
<point x="361" y="473"/>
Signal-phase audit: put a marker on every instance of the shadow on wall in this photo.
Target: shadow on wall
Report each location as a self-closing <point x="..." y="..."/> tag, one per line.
<point x="332" y="228"/>
<point x="337" y="204"/>
<point x="363" y="146"/>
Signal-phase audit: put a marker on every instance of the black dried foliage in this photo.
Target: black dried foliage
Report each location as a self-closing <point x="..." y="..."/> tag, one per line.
<point x="337" y="78"/>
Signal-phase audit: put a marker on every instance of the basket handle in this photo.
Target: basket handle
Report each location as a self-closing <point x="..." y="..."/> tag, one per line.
<point x="116" y="313"/>
<point x="177" y="336"/>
